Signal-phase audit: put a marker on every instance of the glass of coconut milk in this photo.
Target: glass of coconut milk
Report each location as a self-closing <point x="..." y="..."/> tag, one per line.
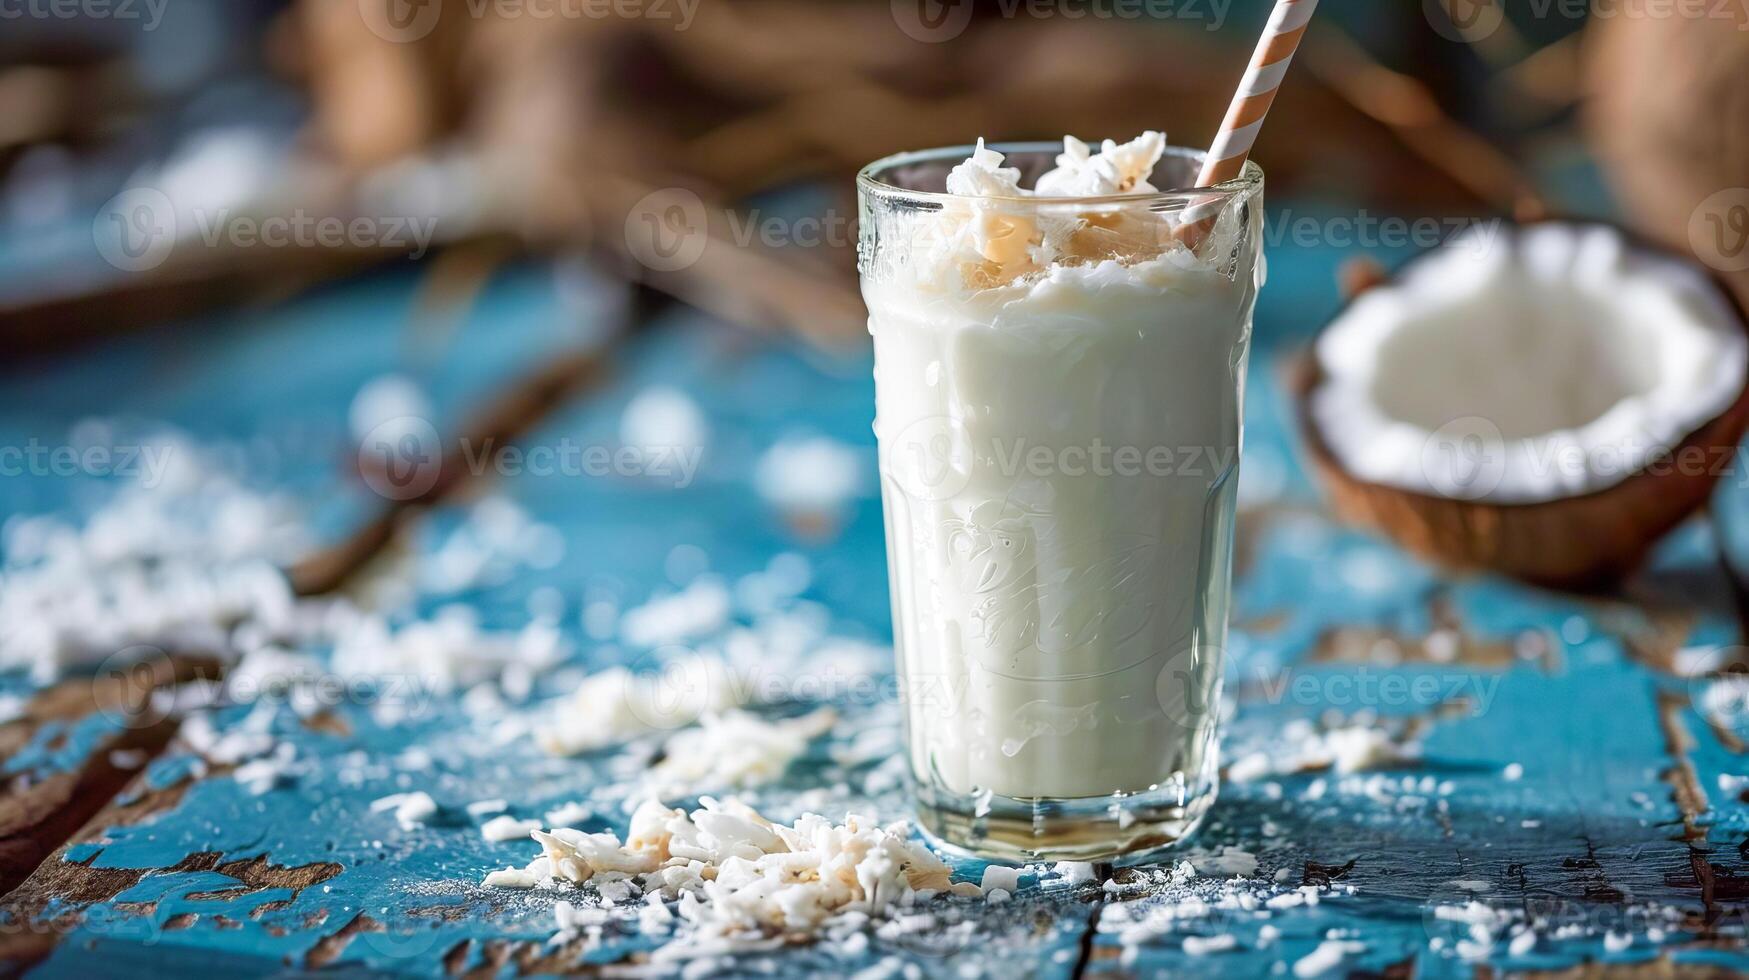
<point x="1060" y="345"/>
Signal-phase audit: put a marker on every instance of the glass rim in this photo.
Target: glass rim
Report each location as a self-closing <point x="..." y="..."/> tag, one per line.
<point x="1249" y="179"/>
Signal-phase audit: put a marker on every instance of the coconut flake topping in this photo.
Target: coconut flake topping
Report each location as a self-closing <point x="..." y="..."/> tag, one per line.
<point x="985" y="239"/>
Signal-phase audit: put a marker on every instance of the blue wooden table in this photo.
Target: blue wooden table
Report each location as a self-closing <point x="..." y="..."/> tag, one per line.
<point x="1566" y="780"/>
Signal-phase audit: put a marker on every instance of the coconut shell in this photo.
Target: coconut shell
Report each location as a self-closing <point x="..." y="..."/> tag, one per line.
<point x="1668" y="114"/>
<point x="1583" y="543"/>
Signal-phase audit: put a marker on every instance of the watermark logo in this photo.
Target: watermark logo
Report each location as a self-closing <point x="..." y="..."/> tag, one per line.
<point x="1464" y="20"/>
<point x="667" y="230"/>
<point x="677" y="692"/>
<point x="932" y="21"/>
<point x="930" y="459"/>
<point x="1718" y="231"/>
<point x="401" y="21"/>
<point x="401" y="458"/>
<point x="1718" y="687"/>
<point x="1188" y="686"/>
<point x="124" y="684"/>
<point x="301" y="229"/>
<point x="136" y="230"/>
<point x="1464" y="459"/>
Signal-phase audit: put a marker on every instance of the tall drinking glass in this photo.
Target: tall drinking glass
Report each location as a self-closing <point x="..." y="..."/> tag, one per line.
<point x="1059" y="389"/>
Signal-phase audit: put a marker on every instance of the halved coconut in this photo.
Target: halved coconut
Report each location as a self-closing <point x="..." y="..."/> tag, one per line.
<point x="1545" y="401"/>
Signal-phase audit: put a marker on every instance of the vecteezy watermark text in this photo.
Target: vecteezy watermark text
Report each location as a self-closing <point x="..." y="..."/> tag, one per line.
<point x="1469" y="457"/>
<point x="938" y="21"/>
<point x="406" y="21"/>
<point x="148" y="13"/>
<point x="138" y="229"/>
<point x="1365" y="688"/>
<point x="144" y="463"/>
<point x="1478" y="20"/>
<point x="1364" y="229"/>
<point x="403" y="458"/>
<point x="935" y="457"/>
<point x="567" y="457"/>
<point x="304" y="230"/>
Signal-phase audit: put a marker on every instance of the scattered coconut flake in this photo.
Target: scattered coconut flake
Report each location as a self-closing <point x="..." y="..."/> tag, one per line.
<point x="1357" y="749"/>
<point x="574" y="919"/>
<point x="1229" y="861"/>
<point x="387" y="409"/>
<point x="616" y="705"/>
<point x="810" y="476"/>
<point x="1323" y="959"/>
<point x="128" y="758"/>
<point x="1522" y="944"/>
<point x="508" y="828"/>
<point x="1074" y="872"/>
<point x="263" y="774"/>
<point x="734" y="750"/>
<point x="655" y="916"/>
<point x="444" y="654"/>
<point x="1204" y="945"/>
<point x="742" y="881"/>
<point x="511" y="878"/>
<point x="485" y="808"/>
<point x="411" y="809"/>
<point x="568" y="814"/>
<point x="1359" y="745"/>
<point x="1697" y="661"/>
<point x="700" y="608"/>
<point x="998" y="876"/>
<point x="495" y="539"/>
<point x="662" y="418"/>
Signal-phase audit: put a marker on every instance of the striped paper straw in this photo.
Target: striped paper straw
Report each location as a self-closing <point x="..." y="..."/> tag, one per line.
<point x="1275" y="51"/>
<point x="1232" y="147"/>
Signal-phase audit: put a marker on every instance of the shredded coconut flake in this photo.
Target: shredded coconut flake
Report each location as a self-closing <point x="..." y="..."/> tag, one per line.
<point x="735" y="750"/>
<point x="1323" y="959"/>
<point x="507" y="828"/>
<point x="738" y="878"/>
<point x="410" y="809"/>
<point x="511" y="878"/>
<point x="617" y="705"/>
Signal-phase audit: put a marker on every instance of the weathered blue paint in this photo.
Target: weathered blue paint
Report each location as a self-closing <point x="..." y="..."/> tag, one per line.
<point x="1589" y="833"/>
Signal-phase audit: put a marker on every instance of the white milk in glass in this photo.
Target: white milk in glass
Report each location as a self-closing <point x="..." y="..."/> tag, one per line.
<point x="1060" y="378"/>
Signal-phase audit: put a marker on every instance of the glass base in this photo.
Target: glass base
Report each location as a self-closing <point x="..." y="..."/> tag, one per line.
<point x="1124" y="829"/>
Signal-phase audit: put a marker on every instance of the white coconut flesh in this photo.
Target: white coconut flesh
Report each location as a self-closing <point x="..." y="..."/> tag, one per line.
<point x="1522" y="366"/>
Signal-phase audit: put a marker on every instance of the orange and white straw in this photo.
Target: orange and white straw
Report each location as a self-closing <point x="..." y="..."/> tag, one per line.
<point x="1275" y="51"/>
<point x="1226" y="159"/>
